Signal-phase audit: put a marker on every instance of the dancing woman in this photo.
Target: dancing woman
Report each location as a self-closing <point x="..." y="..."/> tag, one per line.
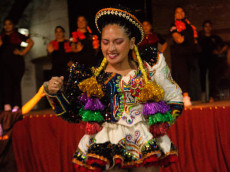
<point x="125" y="106"/>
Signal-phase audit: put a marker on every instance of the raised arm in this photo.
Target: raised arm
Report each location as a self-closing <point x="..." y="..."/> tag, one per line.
<point x="32" y="102"/>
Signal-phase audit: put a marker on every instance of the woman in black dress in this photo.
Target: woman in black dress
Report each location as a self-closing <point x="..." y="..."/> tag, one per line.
<point x="183" y="51"/>
<point x="148" y="48"/>
<point x="12" y="64"/>
<point x="59" y="50"/>
<point x="213" y="50"/>
<point x="84" y="44"/>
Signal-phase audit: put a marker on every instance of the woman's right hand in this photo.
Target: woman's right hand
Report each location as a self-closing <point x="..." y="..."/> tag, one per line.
<point x="55" y="84"/>
<point x="50" y="48"/>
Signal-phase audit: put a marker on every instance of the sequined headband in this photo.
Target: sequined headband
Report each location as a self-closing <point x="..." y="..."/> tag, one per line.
<point x="114" y="12"/>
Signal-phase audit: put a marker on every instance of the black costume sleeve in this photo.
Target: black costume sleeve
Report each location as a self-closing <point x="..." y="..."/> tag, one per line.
<point x="66" y="104"/>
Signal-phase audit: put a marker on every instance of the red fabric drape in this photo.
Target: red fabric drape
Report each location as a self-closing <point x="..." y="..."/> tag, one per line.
<point x="45" y="144"/>
<point x="202" y="136"/>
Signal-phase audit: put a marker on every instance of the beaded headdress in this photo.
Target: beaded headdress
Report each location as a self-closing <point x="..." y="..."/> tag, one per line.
<point x="108" y="14"/>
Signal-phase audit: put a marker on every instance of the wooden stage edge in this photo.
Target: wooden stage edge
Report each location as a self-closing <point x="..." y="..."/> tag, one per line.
<point x="197" y="104"/>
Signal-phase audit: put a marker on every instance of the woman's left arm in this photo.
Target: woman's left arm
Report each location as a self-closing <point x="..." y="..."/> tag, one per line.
<point x="26" y="49"/>
<point x="172" y="92"/>
<point x="29" y="46"/>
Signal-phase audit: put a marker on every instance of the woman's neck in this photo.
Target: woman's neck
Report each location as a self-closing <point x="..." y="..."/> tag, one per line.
<point x="8" y="32"/>
<point x="122" y="68"/>
<point x="207" y="34"/>
<point x="181" y="19"/>
<point x="83" y="30"/>
<point x="60" y="39"/>
<point x="148" y="33"/>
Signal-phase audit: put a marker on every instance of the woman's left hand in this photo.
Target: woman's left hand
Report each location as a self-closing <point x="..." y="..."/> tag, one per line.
<point x="17" y="52"/>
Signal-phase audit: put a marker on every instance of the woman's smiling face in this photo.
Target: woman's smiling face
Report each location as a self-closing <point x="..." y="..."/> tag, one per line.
<point x="116" y="44"/>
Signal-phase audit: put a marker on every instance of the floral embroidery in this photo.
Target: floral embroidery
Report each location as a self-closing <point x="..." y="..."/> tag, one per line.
<point x="137" y="85"/>
<point x="132" y="143"/>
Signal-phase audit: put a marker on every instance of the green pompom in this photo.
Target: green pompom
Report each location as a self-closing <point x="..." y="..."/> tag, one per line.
<point x="88" y="115"/>
<point x="158" y="117"/>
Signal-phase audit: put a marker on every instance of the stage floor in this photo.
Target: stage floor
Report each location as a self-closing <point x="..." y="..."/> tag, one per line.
<point x="196" y="104"/>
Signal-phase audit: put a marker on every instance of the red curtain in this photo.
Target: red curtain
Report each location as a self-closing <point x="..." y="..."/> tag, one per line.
<point x="46" y="143"/>
<point x="202" y="136"/>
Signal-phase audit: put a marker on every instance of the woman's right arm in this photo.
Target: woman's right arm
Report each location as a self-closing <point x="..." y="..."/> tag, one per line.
<point x="50" y="48"/>
<point x="61" y="101"/>
<point x="55" y="96"/>
<point x="66" y="102"/>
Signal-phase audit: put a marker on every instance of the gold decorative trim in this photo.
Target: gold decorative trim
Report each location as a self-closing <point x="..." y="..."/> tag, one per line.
<point x="75" y="161"/>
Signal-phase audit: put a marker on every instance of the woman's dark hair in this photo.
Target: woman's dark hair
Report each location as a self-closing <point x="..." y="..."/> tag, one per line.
<point x="9" y="19"/>
<point x="207" y="22"/>
<point x="83" y="17"/>
<point x="123" y="24"/>
<point x="180" y="6"/>
<point x="59" y="27"/>
<point x="148" y="21"/>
